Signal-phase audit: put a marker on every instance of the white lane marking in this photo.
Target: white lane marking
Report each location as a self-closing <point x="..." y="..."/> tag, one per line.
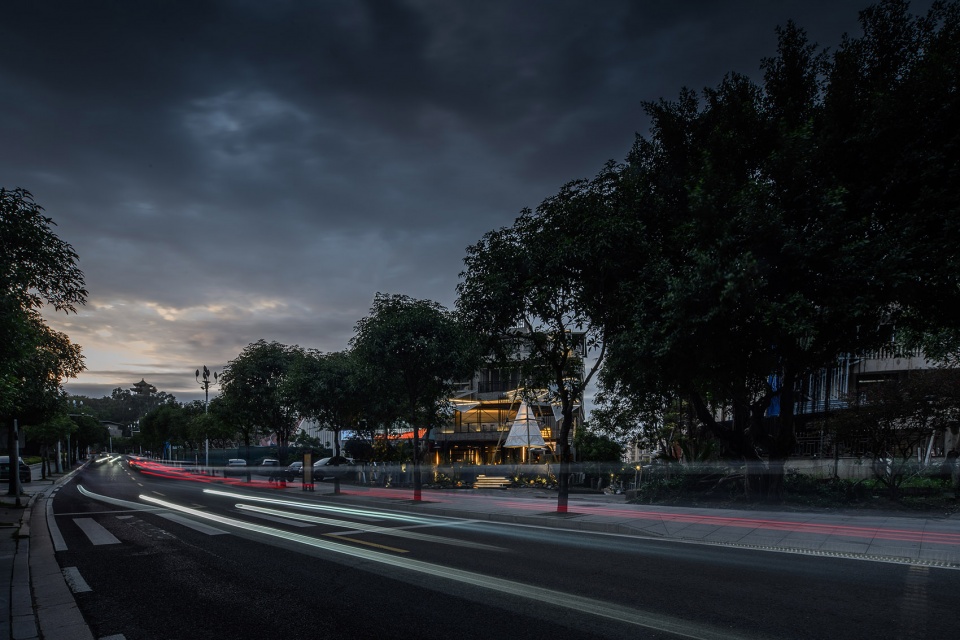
<point x="59" y="544"/>
<point x="95" y="531"/>
<point x="192" y="524"/>
<point x="75" y="580"/>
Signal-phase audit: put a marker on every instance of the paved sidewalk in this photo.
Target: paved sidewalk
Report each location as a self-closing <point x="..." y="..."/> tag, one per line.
<point x="39" y="603"/>
<point x="878" y="536"/>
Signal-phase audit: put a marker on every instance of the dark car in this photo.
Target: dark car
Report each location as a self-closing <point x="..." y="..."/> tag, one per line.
<point x="25" y="474"/>
<point x="270" y="467"/>
<point x="296" y="468"/>
<point x="333" y="467"/>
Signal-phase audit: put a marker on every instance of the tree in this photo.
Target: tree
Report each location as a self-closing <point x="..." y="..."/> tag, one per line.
<point x="35" y="396"/>
<point x="753" y="264"/>
<point x="47" y="434"/>
<point x="254" y="391"/>
<point x="329" y="389"/>
<point x="164" y="425"/>
<point x="90" y="432"/>
<point x="36" y="268"/>
<point x="597" y="447"/>
<point x="415" y="350"/>
<point x="122" y="406"/>
<point x="524" y="288"/>
<point x="211" y="425"/>
<point x="891" y="105"/>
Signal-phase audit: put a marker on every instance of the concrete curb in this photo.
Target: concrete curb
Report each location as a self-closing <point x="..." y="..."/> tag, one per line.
<point x="42" y="604"/>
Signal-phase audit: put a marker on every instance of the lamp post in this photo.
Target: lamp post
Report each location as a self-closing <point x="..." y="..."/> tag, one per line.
<point x="205" y="383"/>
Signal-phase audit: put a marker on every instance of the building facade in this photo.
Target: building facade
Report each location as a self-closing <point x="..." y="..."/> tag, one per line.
<point x="485" y="409"/>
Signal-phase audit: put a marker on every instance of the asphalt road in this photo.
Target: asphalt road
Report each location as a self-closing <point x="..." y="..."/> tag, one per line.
<point x="179" y="558"/>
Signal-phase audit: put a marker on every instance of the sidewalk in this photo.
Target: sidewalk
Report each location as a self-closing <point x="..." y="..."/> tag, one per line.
<point x="925" y="540"/>
<point x="39" y="598"/>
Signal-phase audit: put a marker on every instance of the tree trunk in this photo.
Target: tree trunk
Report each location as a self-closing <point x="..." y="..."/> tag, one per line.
<point x="783" y="440"/>
<point x="417" y="488"/>
<point x="563" y="482"/>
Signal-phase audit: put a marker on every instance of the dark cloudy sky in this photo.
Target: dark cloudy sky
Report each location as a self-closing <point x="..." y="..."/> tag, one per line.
<point x="236" y="170"/>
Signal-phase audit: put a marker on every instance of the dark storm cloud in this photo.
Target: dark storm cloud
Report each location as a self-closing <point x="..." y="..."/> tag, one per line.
<point x="230" y="171"/>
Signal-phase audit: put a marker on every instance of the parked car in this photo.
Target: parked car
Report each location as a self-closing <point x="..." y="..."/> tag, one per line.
<point x="235" y="467"/>
<point x="25" y="474"/>
<point x="296" y="468"/>
<point x="271" y="468"/>
<point x="334" y="467"/>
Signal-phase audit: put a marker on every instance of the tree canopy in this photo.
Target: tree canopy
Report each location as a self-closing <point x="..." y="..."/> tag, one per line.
<point x="414" y="351"/>
<point x="761" y="230"/>
<point x="37" y="268"/>
<point x="524" y="289"/>
<point x="758" y="231"/>
<point x="253" y="387"/>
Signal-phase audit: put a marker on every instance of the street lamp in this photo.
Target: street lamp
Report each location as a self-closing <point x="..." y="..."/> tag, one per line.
<point x="205" y="383"/>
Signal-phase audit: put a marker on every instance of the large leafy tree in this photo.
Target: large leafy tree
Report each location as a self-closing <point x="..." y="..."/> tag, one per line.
<point x="414" y="350"/>
<point x="524" y="289"/>
<point x="253" y="388"/>
<point x="891" y="106"/>
<point x="163" y="425"/>
<point x="329" y="388"/>
<point x="211" y="425"/>
<point x="37" y="268"/>
<point x="771" y="234"/>
<point x="728" y="288"/>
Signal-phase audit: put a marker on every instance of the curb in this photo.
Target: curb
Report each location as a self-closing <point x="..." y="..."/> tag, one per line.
<point x="42" y="604"/>
<point x="24" y="530"/>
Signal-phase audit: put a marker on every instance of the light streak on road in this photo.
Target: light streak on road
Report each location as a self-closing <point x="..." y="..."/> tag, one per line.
<point x="367" y="514"/>
<point x="627" y="615"/>
<point x="354" y="527"/>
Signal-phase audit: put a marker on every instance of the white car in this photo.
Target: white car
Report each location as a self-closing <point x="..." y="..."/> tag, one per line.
<point x="335" y="467"/>
<point x="235" y="466"/>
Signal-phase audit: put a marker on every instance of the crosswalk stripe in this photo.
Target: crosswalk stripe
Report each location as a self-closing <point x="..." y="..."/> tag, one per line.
<point x="95" y="531"/>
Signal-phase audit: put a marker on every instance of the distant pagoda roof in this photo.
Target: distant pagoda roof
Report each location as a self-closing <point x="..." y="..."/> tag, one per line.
<point x="143" y="388"/>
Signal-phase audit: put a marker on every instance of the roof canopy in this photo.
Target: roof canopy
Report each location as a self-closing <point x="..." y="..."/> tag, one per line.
<point x="525" y="431"/>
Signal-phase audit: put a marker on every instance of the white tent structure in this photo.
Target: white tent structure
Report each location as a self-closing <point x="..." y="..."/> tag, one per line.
<point x="525" y="431"/>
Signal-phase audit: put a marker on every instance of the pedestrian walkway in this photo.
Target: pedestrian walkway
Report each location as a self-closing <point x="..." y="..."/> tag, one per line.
<point x="39" y="603"/>
<point x="876" y="536"/>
